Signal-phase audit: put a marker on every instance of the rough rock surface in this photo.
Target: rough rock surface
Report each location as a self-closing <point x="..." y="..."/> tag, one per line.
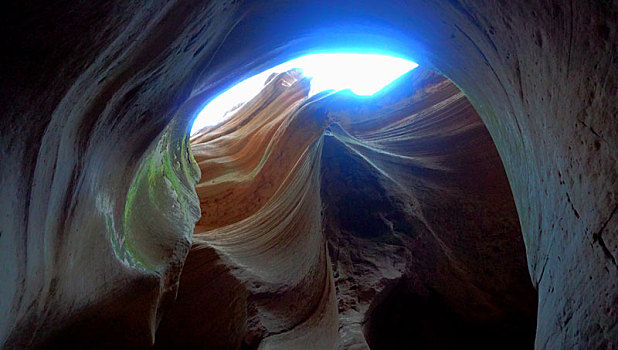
<point x="422" y="229"/>
<point x="96" y="99"/>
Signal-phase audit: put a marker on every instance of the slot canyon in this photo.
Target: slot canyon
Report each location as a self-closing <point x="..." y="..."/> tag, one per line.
<point x="469" y="204"/>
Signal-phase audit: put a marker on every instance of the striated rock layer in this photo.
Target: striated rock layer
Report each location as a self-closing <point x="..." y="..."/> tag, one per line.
<point x="404" y="178"/>
<point x="97" y="199"/>
<point x="262" y="226"/>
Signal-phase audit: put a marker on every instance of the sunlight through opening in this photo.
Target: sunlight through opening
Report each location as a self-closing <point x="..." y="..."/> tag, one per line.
<point x="363" y="74"/>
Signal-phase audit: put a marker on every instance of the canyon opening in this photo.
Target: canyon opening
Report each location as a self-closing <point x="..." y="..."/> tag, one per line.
<point x="362" y="73"/>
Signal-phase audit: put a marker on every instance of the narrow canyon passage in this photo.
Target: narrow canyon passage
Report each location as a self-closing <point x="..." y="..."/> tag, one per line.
<point x="392" y="186"/>
<point x="99" y="246"/>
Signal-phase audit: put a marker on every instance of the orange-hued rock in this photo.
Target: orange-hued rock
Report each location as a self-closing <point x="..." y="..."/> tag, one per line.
<point x="393" y="185"/>
<point x="262" y="214"/>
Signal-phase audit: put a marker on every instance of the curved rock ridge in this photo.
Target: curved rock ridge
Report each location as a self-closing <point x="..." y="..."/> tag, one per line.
<point x="393" y="185"/>
<point x="269" y="224"/>
<point x="262" y="220"/>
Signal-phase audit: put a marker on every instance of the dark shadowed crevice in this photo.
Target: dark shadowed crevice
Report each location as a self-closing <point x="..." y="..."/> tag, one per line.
<point x="407" y="319"/>
<point x="406" y="178"/>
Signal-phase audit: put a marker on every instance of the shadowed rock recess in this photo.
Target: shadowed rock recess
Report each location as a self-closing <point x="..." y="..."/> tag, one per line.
<point x="471" y="208"/>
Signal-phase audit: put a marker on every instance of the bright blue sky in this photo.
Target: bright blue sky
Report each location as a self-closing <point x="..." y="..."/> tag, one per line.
<point x="364" y="74"/>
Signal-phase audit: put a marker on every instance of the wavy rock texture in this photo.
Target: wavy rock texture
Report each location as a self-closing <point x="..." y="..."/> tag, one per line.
<point x="96" y="99"/>
<point x="404" y="181"/>
<point x="262" y="216"/>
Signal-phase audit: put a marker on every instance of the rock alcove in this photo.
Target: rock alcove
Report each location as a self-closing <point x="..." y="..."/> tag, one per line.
<point x="97" y="98"/>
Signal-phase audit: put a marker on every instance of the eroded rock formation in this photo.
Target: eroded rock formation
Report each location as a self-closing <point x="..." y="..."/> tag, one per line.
<point x="96" y="99"/>
<point x="265" y="225"/>
<point x="405" y="177"/>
